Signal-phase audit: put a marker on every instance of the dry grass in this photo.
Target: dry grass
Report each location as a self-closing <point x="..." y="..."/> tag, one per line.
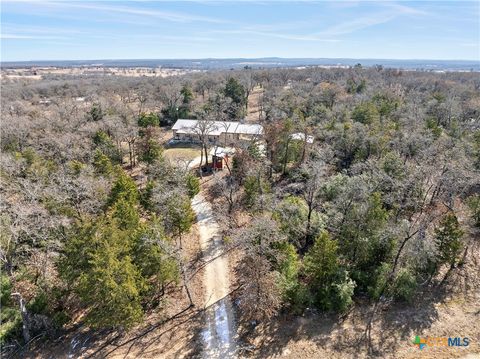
<point x="253" y="105"/>
<point x="181" y="153"/>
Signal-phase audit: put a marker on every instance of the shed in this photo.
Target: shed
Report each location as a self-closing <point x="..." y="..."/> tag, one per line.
<point x="299" y="136"/>
<point x="221" y="156"/>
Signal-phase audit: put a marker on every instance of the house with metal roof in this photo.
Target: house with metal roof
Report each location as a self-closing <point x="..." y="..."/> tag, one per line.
<point x="218" y="132"/>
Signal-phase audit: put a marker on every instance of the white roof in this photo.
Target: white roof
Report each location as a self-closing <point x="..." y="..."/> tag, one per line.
<point x="218" y="127"/>
<point x="222" y="151"/>
<point x="301" y="137"/>
<point x="184" y="126"/>
<point x="249" y="129"/>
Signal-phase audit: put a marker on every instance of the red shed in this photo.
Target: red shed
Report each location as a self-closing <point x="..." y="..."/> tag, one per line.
<point x="221" y="156"/>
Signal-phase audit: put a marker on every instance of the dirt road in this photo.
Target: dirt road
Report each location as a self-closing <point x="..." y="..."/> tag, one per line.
<point x="219" y="332"/>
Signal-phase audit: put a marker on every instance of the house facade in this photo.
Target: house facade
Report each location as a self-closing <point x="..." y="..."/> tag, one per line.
<point x="218" y="132"/>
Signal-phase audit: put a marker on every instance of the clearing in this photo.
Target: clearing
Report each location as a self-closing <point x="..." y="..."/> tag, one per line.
<point x="187" y="154"/>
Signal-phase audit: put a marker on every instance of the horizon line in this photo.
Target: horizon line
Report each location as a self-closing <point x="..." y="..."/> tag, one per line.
<point x="244" y="58"/>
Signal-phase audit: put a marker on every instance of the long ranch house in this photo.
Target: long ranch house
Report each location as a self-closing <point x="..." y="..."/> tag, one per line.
<point x="219" y="132"/>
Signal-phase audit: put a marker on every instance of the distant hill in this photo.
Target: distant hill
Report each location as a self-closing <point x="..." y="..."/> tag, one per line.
<point x="214" y="64"/>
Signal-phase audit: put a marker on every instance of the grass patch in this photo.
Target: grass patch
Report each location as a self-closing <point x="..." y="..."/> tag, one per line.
<point x="188" y="154"/>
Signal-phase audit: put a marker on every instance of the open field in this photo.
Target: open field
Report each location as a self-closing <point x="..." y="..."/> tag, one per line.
<point x="185" y="154"/>
<point x="37" y="73"/>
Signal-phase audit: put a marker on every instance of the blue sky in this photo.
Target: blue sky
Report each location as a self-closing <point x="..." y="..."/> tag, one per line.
<point x="80" y="30"/>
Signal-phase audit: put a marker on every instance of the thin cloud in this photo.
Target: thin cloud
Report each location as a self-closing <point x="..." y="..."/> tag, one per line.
<point x="177" y="38"/>
<point x="298" y="37"/>
<point x="378" y="18"/>
<point x="29" y="29"/>
<point x="358" y="24"/>
<point x="332" y="33"/>
<point x="404" y="9"/>
<point x="40" y="32"/>
<point x="29" y="37"/>
<point x="278" y="27"/>
<point x="294" y="36"/>
<point x="157" y="14"/>
<point x="470" y="44"/>
<point x="344" y="4"/>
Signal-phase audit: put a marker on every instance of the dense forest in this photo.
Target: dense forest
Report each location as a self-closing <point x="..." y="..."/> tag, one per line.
<point x="381" y="205"/>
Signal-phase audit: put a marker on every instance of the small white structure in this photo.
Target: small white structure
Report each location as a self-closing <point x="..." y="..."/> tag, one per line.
<point x="221" y="156"/>
<point x="222" y="152"/>
<point x="301" y="137"/>
<point x="223" y="132"/>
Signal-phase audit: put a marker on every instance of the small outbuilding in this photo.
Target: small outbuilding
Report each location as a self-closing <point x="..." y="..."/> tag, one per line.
<point x="299" y="136"/>
<point x="221" y="156"/>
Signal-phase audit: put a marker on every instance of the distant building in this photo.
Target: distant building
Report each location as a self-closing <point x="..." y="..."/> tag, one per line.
<point x="219" y="132"/>
<point x="301" y="137"/>
<point x="44" y="102"/>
